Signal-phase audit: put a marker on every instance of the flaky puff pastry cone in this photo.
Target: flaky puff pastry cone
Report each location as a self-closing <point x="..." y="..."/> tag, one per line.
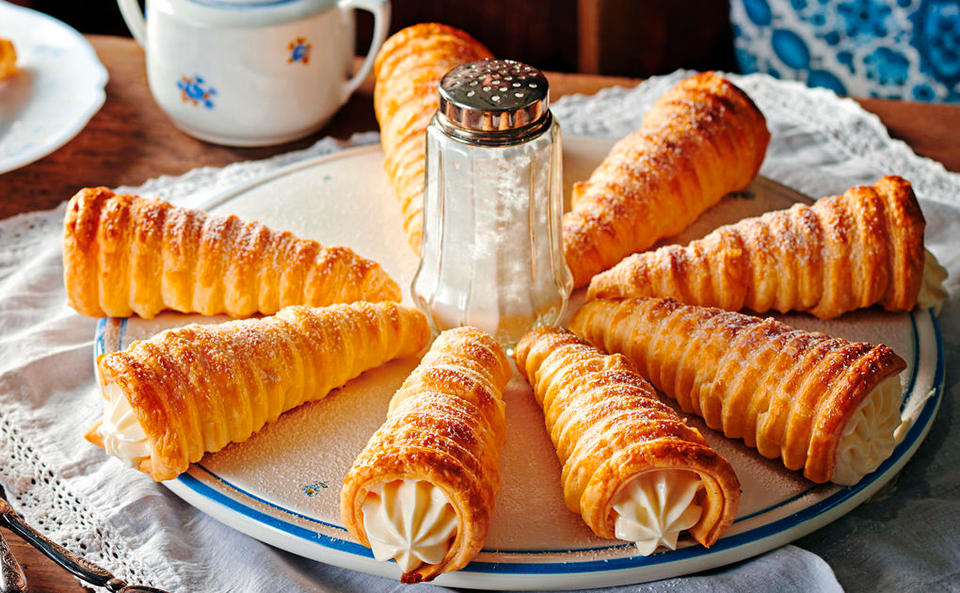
<point x="843" y="253"/>
<point x="821" y="404"/>
<point x="701" y="140"/>
<point x="407" y="72"/>
<point x="123" y="254"/>
<point x="194" y="389"/>
<point x="422" y="490"/>
<point x="631" y="467"/>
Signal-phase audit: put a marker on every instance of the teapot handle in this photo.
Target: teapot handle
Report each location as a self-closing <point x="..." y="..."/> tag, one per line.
<point x="381" y="23"/>
<point x="130" y="9"/>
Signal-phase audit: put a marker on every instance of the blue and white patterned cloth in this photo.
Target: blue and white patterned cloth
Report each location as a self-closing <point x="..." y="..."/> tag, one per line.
<point x="895" y="49"/>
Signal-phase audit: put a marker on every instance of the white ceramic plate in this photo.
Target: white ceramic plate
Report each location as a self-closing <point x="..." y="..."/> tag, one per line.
<point x="58" y="88"/>
<point x="282" y="485"/>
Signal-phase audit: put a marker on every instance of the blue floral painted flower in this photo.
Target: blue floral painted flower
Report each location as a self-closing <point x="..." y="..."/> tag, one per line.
<point x="195" y="90"/>
<point x="887" y="67"/>
<point x="924" y="92"/>
<point x="313" y="489"/>
<point x="864" y="17"/>
<point x="790" y="48"/>
<point x="937" y="38"/>
<point x="299" y="51"/>
<point x="827" y="80"/>
<point x="758" y="11"/>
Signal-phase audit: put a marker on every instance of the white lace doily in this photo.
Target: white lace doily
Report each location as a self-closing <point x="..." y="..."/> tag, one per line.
<point x="821" y="145"/>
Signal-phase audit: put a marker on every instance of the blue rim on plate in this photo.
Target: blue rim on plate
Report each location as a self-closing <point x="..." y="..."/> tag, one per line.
<point x="204" y="486"/>
<point x="784" y="518"/>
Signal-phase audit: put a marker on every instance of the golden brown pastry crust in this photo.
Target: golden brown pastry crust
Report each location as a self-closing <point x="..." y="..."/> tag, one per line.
<point x="8" y="58"/>
<point x="197" y="388"/>
<point x="445" y="426"/>
<point x="784" y="391"/>
<point x="123" y="254"/>
<point x="843" y="253"/>
<point x="701" y="140"/>
<point x="609" y="426"/>
<point x="407" y="72"/>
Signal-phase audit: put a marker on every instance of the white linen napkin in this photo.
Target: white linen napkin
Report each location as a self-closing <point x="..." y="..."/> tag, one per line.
<point x="904" y="539"/>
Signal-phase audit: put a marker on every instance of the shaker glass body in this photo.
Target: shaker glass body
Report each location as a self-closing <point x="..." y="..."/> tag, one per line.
<point x="492" y="252"/>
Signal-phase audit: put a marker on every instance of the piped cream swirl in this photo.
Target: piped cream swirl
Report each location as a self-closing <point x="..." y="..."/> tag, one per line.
<point x="654" y="507"/>
<point x="410" y="521"/>
<point x="122" y="435"/>
<point x="932" y="292"/>
<point x="868" y="438"/>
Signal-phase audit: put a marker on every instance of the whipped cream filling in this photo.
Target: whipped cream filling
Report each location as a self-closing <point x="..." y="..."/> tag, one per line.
<point x="122" y="435"/>
<point x="410" y="521"/>
<point x="932" y="292"/>
<point x="654" y="507"/>
<point x="868" y="438"/>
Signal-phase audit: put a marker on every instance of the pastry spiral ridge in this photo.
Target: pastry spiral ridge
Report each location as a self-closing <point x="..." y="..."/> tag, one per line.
<point x="609" y="427"/>
<point x="124" y="254"/>
<point x="197" y="388"/>
<point x="789" y="393"/>
<point x="445" y="426"/>
<point x="840" y="254"/>
<point x="407" y="71"/>
<point x="701" y="140"/>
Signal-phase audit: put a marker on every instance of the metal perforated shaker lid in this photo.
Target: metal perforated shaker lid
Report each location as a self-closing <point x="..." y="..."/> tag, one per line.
<point x="494" y="98"/>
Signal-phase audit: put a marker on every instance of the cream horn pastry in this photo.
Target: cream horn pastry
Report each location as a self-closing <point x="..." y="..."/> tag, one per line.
<point x="821" y="404"/>
<point x="632" y="468"/>
<point x="194" y="389"/>
<point x="422" y="490"/>
<point x="123" y="254"/>
<point x="845" y="252"/>
<point x="407" y="71"/>
<point x="701" y="140"/>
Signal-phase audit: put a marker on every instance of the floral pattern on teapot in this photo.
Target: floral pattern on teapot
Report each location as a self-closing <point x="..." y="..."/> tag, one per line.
<point x="194" y="89"/>
<point x="299" y="50"/>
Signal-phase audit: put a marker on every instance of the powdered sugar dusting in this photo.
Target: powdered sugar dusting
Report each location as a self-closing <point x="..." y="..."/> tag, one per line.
<point x="491" y="258"/>
<point x="282" y="469"/>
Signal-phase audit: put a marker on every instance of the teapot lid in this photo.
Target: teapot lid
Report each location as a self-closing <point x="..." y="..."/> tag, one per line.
<point x="244" y="13"/>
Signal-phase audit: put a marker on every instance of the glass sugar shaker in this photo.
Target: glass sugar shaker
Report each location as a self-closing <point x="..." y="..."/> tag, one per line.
<point x="492" y="250"/>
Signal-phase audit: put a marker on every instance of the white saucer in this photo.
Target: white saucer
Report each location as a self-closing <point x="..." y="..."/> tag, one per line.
<point x="58" y="87"/>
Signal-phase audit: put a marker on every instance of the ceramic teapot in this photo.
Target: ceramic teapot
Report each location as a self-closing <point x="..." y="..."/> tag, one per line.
<point x="252" y="72"/>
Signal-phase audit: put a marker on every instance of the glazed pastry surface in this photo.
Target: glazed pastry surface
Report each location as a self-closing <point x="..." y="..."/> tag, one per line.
<point x="632" y="468"/>
<point x="194" y="389"/>
<point x="843" y="253"/>
<point x="125" y="255"/>
<point x="443" y="434"/>
<point x="701" y="140"/>
<point x="407" y="72"/>
<point x="789" y="393"/>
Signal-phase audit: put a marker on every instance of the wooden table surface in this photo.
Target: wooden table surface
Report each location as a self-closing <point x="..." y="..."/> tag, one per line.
<point x="130" y="140"/>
